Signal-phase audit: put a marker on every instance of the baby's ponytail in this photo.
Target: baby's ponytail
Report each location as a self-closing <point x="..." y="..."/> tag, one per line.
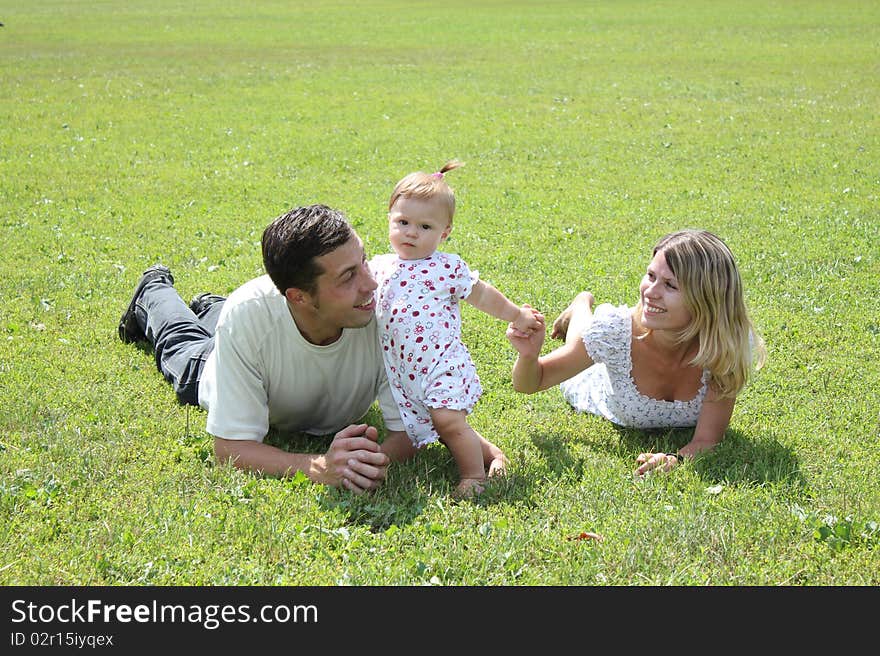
<point x="427" y="185"/>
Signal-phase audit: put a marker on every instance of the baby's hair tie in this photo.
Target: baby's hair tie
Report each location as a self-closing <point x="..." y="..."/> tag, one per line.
<point x="438" y="174"/>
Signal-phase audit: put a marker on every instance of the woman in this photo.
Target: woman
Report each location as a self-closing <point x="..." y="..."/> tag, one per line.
<point x="677" y="359"/>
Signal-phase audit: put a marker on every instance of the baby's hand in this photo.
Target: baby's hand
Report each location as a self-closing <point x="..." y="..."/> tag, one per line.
<point x="528" y="321"/>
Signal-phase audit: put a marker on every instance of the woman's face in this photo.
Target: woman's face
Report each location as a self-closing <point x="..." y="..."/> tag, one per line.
<point x="663" y="304"/>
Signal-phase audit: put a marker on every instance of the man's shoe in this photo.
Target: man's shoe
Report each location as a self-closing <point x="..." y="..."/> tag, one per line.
<point x="204" y="300"/>
<point x="129" y="330"/>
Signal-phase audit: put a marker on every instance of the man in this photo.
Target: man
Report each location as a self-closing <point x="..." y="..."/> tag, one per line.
<point x="296" y="349"/>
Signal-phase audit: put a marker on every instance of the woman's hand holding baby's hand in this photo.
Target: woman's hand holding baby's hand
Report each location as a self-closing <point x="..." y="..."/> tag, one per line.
<point x="528" y="346"/>
<point x="528" y="321"/>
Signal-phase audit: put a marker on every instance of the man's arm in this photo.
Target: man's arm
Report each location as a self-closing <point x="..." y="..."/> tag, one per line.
<point x="354" y="459"/>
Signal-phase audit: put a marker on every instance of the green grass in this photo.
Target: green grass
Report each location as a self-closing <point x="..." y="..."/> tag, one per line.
<point x="135" y="132"/>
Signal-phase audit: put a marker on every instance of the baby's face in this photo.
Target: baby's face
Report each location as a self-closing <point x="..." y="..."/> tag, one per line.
<point x="417" y="227"/>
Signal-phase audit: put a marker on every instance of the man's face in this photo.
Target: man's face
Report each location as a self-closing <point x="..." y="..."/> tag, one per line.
<point x="343" y="295"/>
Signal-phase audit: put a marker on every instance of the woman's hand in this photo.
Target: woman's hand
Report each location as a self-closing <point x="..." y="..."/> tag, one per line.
<point x="560" y="326"/>
<point x="663" y="461"/>
<point x="528" y="346"/>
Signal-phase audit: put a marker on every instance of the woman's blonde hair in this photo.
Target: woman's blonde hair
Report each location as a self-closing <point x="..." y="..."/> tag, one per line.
<point x="426" y="186"/>
<point x="729" y="346"/>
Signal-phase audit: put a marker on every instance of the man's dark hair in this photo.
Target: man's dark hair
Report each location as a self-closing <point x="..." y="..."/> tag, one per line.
<point x="293" y="241"/>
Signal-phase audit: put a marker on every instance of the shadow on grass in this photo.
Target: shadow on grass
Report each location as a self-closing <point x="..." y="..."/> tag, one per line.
<point x="408" y="489"/>
<point x="739" y="458"/>
<point x="558" y="455"/>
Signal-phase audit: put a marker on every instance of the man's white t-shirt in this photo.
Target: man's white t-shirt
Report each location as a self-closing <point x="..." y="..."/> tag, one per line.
<point x="263" y="372"/>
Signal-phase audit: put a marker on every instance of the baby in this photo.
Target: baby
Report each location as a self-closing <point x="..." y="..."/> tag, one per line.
<point x="430" y="370"/>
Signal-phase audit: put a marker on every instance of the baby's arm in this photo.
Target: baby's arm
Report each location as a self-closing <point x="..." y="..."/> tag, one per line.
<point x="487" y="299"/>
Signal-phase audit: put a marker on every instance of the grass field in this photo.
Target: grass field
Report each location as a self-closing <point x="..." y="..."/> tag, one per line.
<point x="138" y="132"/>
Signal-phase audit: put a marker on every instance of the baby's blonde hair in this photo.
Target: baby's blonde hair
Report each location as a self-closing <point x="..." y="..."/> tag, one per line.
<point x="729" y="346"/>
<point x="426" y="186"/>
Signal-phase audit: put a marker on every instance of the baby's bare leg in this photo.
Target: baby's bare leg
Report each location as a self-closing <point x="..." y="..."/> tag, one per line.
<point x="465" y="445"/>
<point x="493" y="458"/>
